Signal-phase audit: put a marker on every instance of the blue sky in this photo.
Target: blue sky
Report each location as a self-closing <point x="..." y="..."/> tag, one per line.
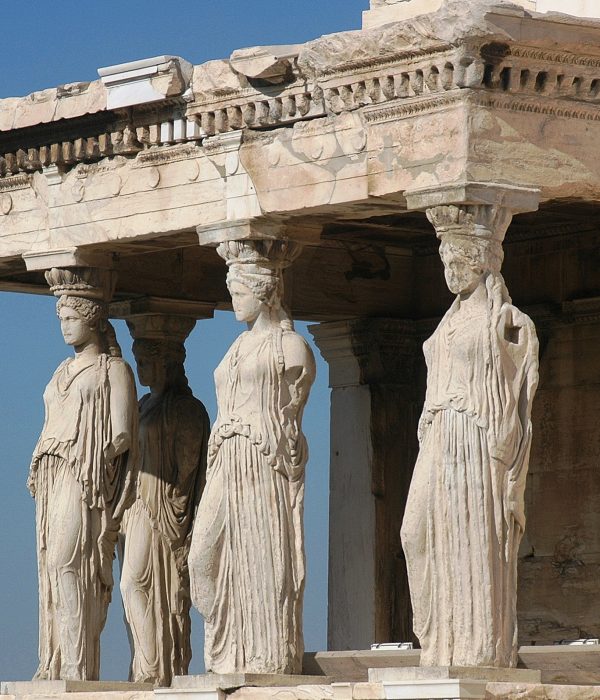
<point x="45" y="44"/>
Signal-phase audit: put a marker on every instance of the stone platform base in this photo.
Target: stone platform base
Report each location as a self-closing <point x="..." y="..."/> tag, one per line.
<point x="446" y="682"/>
<point x="43" y="688"/>
<point x="463" y="690"/>
<point x="443" y="673"/>
<point x="574" y="665"/>
<point x="216" y="686"/>
<point x="393" y="686"/>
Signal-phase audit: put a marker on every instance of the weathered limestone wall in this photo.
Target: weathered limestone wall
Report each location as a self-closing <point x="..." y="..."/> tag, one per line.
<point x="559" y="576"/>
<point x="560" y="560"/>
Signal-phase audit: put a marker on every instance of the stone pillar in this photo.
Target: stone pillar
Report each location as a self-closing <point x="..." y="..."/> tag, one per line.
<point x="247" y="565"/>
<point x="465" y="514"/>
<point x="83" y="471"/>
<point x="374" y="412"/>
<point x="174" y="430"/>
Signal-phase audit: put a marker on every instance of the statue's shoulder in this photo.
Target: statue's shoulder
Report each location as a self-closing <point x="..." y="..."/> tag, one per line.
<point x="188" y="402"/>
<point x="297" y="352"/>
<point x="118" y="368"/>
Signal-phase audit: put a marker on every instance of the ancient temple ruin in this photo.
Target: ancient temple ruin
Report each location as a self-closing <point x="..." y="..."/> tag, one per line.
<point x="347" y="147"/>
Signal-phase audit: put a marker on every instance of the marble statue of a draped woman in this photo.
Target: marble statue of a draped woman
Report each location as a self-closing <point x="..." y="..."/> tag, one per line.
<point x="157" y="529"/>
<point x="465" y="517"/>
<point x="82" y="477"/>
<point x="247" y="555"/>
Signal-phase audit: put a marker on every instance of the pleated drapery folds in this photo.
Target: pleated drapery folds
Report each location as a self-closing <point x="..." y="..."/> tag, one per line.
<point x="464" y="517"/>
<point x="247" y="555"/>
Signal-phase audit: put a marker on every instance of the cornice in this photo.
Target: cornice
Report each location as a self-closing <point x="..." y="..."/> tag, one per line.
<point x="539" y="54"/>
<point x="400" y="109"/>
<point x="385" y="88"/>
<point x="537" y="105"/>
<point x="15" y="182"/>
<point x="386" y="61"/>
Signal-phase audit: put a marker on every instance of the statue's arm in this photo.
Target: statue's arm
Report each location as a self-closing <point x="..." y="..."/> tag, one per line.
<point x="300" y="373"/>
<point x="123" y="405"/>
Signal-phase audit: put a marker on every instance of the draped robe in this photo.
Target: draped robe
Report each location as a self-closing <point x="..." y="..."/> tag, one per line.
<point x="247" y="556"/>
<point x="81" y="496"/>
<point x="465" y="513"/>
<point x="174" y="431"/>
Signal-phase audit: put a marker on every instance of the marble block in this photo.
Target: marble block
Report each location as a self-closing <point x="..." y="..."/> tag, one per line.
<point x="564" y="664"/>
<point x="43" y="687"/>
<point x="441" y="688"/>
<point x="199" y="693"/>
<point x="443" y="682"/>
<point x="353" y="666"/>
<point x="230" y="681"/>
<point x="215" y="686"/>
<point x="474" y="673"/>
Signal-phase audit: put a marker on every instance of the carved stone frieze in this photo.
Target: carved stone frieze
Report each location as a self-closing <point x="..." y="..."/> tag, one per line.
<point x="168" y="154"/>
<point x="386" y="86"/>
<point x="532" y="105"/>
<point x="402" y="109"/>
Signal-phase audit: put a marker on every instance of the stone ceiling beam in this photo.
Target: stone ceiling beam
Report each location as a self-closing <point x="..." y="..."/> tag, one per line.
<point x="68" y="257"/>
<point x="516" y="199"/>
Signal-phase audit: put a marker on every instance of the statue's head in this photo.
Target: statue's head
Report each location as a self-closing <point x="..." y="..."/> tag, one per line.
<point x="252" y="292"/>
<point x="81" y="320"/>
<point x="82" y="307"/>
<point x="159" y="362"/>
<point x="255" y="275"/>
<point x="468" y="260"/>
<point x="471" y="243"/>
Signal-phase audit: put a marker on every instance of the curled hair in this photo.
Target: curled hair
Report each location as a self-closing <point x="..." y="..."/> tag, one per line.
<point x="172" y="354"/>
<point x="267" y="288"/>
<point x="91" y="311"/>
<point x="95" y="314"/>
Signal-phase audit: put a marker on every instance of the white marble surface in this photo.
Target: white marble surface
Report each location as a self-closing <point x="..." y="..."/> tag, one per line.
<point x="247" y="554"/>
<point x="82" y="477"/>
<point x="465" y="514"/>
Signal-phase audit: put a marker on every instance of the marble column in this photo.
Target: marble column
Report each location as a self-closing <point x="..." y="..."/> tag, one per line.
<point x="372" y="373"/>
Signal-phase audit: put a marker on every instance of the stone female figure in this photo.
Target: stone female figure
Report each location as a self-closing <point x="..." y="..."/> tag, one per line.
<point x="82" y="478"/>
<point x="247" y="555"/>
<point x="157" y="529"/>
<point x="465" y="513"/>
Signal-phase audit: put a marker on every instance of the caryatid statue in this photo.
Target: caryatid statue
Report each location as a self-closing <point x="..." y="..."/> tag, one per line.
<point x="464" y="517"/>
<point x="247" y="557"/>
<point x="82" y="477"/>
<point x="174" y="429"/>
